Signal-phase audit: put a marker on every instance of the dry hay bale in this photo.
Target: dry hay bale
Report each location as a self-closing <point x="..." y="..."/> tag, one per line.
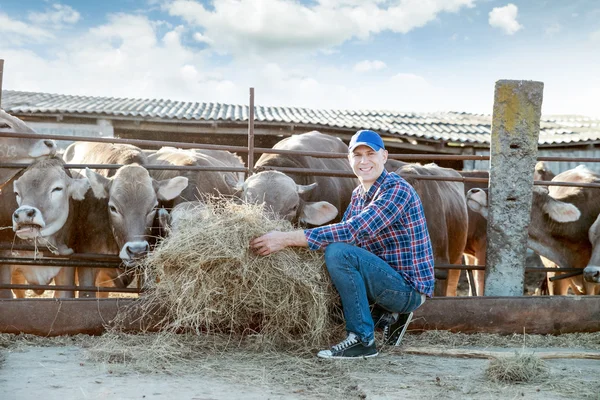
<point x="518" y="368"/>
<point x="209" y="281"/>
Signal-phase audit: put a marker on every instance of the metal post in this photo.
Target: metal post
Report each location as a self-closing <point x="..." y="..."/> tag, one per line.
<point x="513" y="151"/>
<point x="251" y="134"/>
<point x="1" y="72"/>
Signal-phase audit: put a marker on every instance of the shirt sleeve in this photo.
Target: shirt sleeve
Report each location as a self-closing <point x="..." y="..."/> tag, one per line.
<point x="385" y="209"/>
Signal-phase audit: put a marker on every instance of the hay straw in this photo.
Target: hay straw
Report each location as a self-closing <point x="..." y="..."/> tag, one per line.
<point x="518" y="368"/>
<point x="209" y="281"/>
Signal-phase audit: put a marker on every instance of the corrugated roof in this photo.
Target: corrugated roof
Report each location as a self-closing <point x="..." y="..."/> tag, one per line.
<point x="447" y="126"/>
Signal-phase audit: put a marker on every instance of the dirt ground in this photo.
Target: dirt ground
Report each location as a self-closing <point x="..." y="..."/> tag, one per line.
<point x="68" y="368"/>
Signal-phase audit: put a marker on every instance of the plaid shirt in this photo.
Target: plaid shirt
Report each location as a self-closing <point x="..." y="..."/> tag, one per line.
<point x="389" y="222"/>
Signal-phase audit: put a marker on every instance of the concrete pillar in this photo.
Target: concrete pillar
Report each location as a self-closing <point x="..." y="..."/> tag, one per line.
<point x="513" y="152"/>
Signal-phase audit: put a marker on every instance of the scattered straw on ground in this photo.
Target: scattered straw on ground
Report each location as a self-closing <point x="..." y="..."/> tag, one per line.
<point x="209" y="281"/>
<point x="518" y="368"/>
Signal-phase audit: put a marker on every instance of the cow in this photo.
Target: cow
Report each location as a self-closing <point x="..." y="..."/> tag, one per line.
<point x="446" y="214"/>
<point x="591" y="272"/>
<point x="302" y="199"/>
<point x="561" y="218"/>
<point x="476" y="247"/>
<point x="200" y="183"/>
<point x="43" y="208"/>
<point x="118" y="213"/>
<point x="20" y="150"/>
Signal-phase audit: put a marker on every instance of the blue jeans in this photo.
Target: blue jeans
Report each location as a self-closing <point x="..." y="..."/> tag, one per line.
<point x="361" y="278"/>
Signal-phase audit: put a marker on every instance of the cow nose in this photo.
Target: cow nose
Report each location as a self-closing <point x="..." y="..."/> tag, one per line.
<point x="137" y="249"/>
<point x="591" y="276"/>
<point x="30" y="213"/>
<point x="476" y="190"/>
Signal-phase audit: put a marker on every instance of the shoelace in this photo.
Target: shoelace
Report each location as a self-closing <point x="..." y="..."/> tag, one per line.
<point x="349" y="341"/>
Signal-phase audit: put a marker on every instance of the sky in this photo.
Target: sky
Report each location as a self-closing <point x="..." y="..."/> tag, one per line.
<point x="400" y="55"/>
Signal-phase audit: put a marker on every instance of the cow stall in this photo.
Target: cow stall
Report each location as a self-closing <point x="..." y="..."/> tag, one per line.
<point x="476" y="314"/>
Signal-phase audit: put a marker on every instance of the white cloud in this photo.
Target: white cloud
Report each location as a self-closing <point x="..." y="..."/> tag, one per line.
<point x="132" y="56"/>
<point x="57" y="17"/>
<point x="198" y="37"/>
<point x="16" y="32"/>
<point x="368" y="65"/>
<point x="505" y="18"/>
<point x="244" y="27"/>
<point x="595" y="36"/>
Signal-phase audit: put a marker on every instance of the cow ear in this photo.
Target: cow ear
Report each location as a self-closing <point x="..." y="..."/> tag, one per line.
<point x="318" y="213"/>
<point x="301" y="189"/>
<point x="78" y="188"/>
<point x="561" y="211"/>
<point x="168" y="189"/>
<point x="100" y="184"/>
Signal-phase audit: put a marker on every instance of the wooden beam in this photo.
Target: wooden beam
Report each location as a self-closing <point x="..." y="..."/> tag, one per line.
<point x="506" y="315"/>
<point x="502" y="315"/>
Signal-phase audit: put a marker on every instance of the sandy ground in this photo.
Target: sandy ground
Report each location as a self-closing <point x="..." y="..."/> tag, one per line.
<point x="59" y="371"/>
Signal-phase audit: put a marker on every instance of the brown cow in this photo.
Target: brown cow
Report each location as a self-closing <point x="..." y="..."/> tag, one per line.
<point x="305" y="199"/>
<point x="200" y="183"/>
<point x="475" y="249"/>
<point x="446" y="214"/>
<point x="561" y="218"/>
<point x="118" y="215"/>
<point x="591" y="273"/>
<point x="20" y="150"/>
<point x="44" y="213"/>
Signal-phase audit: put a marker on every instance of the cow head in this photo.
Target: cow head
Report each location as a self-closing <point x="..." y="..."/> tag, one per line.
<point x="43" y="193"/>
<point x="132" y="199"/>
<point x="547" y="215"/>
<point x="591" y="273"/>
<point x="281" y="196"/>
<point x="20" y="150"/>
<point x="477" y="201"/>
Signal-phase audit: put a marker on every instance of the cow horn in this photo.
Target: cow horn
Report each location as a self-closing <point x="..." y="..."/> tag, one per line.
<point x="301" y="189"/>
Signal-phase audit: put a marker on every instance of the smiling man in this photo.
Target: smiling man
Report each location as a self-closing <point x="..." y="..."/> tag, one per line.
<point x="379" y="254"/>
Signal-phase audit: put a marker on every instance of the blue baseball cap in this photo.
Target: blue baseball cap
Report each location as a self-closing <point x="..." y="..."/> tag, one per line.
<point x="366" y="138"/>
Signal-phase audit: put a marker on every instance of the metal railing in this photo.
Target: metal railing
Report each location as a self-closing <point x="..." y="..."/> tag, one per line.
<point x="95" y="260"/>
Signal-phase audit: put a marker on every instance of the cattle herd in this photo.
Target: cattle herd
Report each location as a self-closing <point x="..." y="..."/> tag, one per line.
<point x="113" y="211"/>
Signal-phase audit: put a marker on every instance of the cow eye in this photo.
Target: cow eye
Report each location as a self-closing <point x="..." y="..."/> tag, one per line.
<point x="17" y="194"/>
<point x="113" y="209"/>
<point x="57" y="189"/>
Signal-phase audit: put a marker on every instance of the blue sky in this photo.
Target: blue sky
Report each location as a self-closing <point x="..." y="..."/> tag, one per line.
<point x="404" y="55"/>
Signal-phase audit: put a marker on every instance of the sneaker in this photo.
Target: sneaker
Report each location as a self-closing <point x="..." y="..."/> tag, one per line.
<point x="394" y="332"/>
<point x="384" y="319"/>
<point x="351" y="347"/>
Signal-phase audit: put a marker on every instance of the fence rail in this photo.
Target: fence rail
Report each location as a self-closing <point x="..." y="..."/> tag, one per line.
<point x="105" y="261"/>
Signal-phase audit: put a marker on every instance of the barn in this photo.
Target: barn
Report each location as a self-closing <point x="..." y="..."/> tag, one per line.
<point x="447" y="133"/>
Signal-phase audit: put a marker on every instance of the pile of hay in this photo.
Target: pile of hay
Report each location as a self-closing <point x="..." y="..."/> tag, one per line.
<point x="209" y="281"/>
<point x="520" y="368"/>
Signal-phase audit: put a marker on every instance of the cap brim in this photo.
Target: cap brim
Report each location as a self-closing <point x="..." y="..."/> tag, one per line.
<point x="371" y="145"/>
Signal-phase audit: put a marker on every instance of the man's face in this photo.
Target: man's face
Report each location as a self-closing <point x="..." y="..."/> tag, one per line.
<point x="367" y="164"/>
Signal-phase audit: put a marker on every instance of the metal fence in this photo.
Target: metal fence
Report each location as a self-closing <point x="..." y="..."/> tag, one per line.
<point x="107" y="261"/>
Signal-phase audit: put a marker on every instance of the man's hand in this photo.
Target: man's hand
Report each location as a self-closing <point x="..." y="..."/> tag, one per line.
<point x="275" y="241"/>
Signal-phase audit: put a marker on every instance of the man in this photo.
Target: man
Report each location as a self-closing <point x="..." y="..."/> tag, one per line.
<point x="380" y="253"/>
